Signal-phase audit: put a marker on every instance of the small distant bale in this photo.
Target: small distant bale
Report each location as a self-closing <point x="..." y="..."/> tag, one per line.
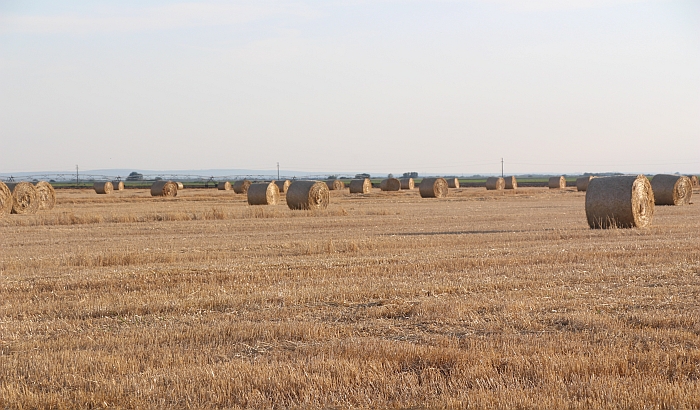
<point x="407" y="183"/>
<point x="433" y="188"/>
<point x="266" y="193"/>
<point x="511" y="183"/>
<point x="308" y="195"/>
<point x="47" y="195"/>
<point x="452" y="182"/>
<point x="694" y="180"/>
<point x="164" y="188"/>
<point x="25" y="198"/>
<point x="495" y="183"/>
<point x="224" y="186"/>
<point x="671" y="189"/>
<point x="360" y="186"/>
<point x="5" y="200"/>
<point x="118" y="185"/>
<point x="619" y="202"/>
<point x="180" y="185"/>
<point x="282" y="186"/>
<point x="557" y="182"/>
<point x="390" y="184"/>
<point x="582" y="183"/>
<point x="335" y="184"/>
<point x="103" y="188"/>
<point x="241" y="186"/>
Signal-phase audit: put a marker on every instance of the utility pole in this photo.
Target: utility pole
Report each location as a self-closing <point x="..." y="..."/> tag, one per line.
<point x="77" y="176"/>
<point x="278" y="171"/>
<point x="502" y="168"/>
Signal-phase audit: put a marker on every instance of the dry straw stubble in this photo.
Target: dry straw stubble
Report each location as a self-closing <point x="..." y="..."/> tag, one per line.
<point x="407" y="183"/>
<point x="5" y="200"/>
<point x="266" y="193"/>
<point x="360" y="186"/>
<point x="495" y="183"/>
<point x="619" y="202"/>
<point x="224" y="186"/>
<point x="308" y="195"/>
<point x="511" y="183"/>
<point x="557" y="182"/>
<point x="282" y="186"/>
<point x="241" y="186"/>
<point x="25" y="198"/>
<point x="47" y="195"/>
<point x="390" y="184"/>
<point x="582" y="183"/>
<point x="103" y="188"/>
<point x="164" y="188"/>
<point x="671" y="189"/>
<point x="335" y="184"/>
<point x="433" y="188"/>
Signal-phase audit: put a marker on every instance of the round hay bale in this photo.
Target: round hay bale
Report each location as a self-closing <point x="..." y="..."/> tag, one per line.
<point x="433" y="188"/>
<point x="452" y="182"/>
<point x="511" y="183"/>
<point x="265" y="193"/>
<point x="47" y="195"/>
<point x="103" y="187"/>
<point x="282" y="186"/>
<point x="360" y="186"/>
<point x="407" y="183"/>
<point x="557" y="182"/>
<point x="582" y="183"/>
<point x="180" y="185"/>
<point x="5" y="200"/>
<point x="164" y="188"/>
<point x="390" y="184"/>
<point x="224" y="186"/>
<point x="118" y="185"/>
<point x="621" y="201"/>
<point x="671" y="189"/>
<point x="335" y="184"/>
<point x="241" y="186"/>
<point x="694" y="180"/>
<point x="495" y="183"/>
<point x="308" y="195"/>
<point x="25" y="198"/>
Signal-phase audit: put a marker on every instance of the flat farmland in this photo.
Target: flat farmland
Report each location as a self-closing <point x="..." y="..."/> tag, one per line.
<point x="483" y="299"/>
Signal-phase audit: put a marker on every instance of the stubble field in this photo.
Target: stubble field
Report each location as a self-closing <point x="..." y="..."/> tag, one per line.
<point x="482" y="299"/>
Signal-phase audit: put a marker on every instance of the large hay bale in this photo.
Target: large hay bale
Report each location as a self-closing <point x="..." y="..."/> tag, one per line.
<point x="265" y="193"/>
<point x="694" y="180"/>
<point x="47" y="195"/>
<point x="103" y="187"/>
<point x="282" y="186"/>
<point x="407" y="183"/>
<point x="164" y="188"/>
<point x="621" y="201"/>
<point x="224" y="186"/>
<point x="390" y="184"/>
<point x="180" y="185"/>
<point x="495" y="183"/>
<point x="25" y="198"/>
<point x="5" y="200"/>
<point x="308" y="195"/>
<point x="118" y="185"/>
<point x="557" y="182"/>
<point x="582" y="183"/>
<point x="241" y="186"/>
<point x="335" y="184"/>
<point x="452" y="182"/>
<point x="671" y="189"/>
<point x="360" y="186"/>
<point x="433" y="188"/>
<point x="511" y="183"/>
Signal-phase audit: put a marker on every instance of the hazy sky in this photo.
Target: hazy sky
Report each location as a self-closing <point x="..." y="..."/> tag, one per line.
<point x="351" y="86"/>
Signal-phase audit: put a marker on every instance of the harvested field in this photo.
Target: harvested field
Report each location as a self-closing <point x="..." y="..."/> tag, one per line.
<point x="488" y="299"/>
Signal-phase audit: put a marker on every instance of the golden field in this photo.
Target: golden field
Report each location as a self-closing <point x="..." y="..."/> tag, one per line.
<point x="479" y="300"/>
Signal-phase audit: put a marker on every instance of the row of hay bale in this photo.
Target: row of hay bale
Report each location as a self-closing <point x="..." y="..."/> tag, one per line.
<point x="24" y="198"/>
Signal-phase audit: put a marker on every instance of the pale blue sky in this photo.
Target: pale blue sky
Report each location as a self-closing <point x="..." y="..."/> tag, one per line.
<point x="351" y="86"/>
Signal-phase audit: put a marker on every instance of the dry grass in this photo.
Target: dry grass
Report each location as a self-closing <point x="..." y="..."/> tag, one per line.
<point x="484" y="299"/>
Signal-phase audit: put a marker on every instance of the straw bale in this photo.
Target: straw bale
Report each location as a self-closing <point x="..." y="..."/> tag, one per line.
<point x="105" y="187"/>
<point x="620" y="201"/>
<point x="5" y="200"/>
<point x="360" y="186"/>
<point x="47" y="195"/>
<point x="407" y="183"/>
<point x="180" y="185"/>
<point x="241" y="186"/>
<point x="390" y="184"/>
<point x="694" y="180"/>
<point x="308" y="195"/>
<point x="433" y="188"/>
<point x="557" y="182"/>
<point x="164" y="188"/>
<point x="582" y="183"/>
<point x="452" y="182"/>
<point x="265" y="193"/>
<point x="495" y="183"/>
<point x="335" y="184"/>
<point x="224" y="186"/>
<point x="671" y="189"/>
<point x="511" y="183"/>
<point x="118" y="185"/>
<point x="25" y="198"/>
<point x="282" y="186"/>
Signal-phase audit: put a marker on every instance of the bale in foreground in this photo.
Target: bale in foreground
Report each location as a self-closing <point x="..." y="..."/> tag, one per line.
<point x="335" y="184"/>
<point x="308" y="195"/>
<point x="360" y="186"/>
<point x="103" y="188"/>
<point x="582" y="183"/>
<point x="433" y="188"/>
<point x="619" y="202"/>
<point x="118" y="185"/>
<point x="557" y="182"/>
<point x="282" y="186"/>
<point x="47" y="195"/>
<point x="241" y="186"/>
<point x="224" y="186"/>
<point x="452" y="182"/>
<point x="164" y="188"/>
<point x="390" y="184"/>
<point x="511" y="183"/>
<point x="495" y="183"/>
<point x="25" y="198"/>
<point x="265" y="193"/>
<point x="407" y="183"/>
<point x="5" y="200"/>
<point x="671" y="189"/>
